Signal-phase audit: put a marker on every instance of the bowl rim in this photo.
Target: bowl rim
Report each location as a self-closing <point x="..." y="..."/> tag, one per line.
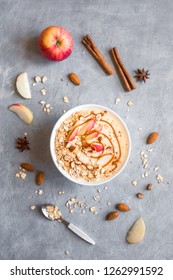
<point x="52" y="142"/>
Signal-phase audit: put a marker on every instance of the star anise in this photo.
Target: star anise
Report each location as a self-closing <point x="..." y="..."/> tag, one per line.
<point x="22" y="144"/>
<point x="142" y="75"/>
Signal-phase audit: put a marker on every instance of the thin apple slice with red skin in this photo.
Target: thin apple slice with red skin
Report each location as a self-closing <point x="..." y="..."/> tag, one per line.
<point x="83" y="158"/>
<point x="98" y="147"/>
<point x="91" y="135"/>
<point x="73" y="133"/>
<point x="104" y="160"/>
<point x="86" y="127"/>
<point x="22" y="112"/>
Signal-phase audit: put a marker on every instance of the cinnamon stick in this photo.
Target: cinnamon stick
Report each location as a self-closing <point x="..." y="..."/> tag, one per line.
<point x="94" y="51"/>
<point x="127" y="79"/>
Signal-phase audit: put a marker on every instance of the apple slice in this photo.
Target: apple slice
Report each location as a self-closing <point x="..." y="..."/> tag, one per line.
<point x="72" y="134"/>
<point x="86" y="127"/>
<point x="91" y="135"/>
<point x="83" y="158"/>
<point x="22" y="85"/>
<point x="104" y="160"/>
<point x="22" y="112"/>
<point x="98" y="147"/>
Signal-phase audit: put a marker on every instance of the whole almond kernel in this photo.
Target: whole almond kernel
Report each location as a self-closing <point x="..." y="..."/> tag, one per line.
<point x="40" y="177"/>
<point x="149" y="187"/>
<point x="122" y="207"/>
<point x="27" y="167"/>
<point x="140" y="195"/>
<point x="74" y="79"/>
<point x="112" y="215"/>
<point x="152" y="137"/>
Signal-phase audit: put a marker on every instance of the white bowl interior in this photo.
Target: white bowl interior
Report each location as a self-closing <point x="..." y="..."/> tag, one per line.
<point x="52" y="143"/>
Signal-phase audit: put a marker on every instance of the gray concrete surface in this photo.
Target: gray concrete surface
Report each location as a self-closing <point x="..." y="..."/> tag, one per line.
<point x="142" y="31"/>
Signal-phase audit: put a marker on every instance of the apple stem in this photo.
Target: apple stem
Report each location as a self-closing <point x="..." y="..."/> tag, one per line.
<point x="58" y="42"/>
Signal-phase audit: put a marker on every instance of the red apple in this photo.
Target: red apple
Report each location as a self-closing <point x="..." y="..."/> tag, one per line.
<point x="55" y="43"/>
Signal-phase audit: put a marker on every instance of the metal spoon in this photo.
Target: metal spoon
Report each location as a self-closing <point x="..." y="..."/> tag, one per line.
<point x="70" y="226"/>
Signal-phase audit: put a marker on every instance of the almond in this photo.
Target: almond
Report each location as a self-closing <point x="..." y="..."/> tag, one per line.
<point x="112" y="215"/>
<point x="122" y="207"/>
<point x="74" y="79"/>
<point x="40" y="177"/>
<point x="152" y="137"/>
<point x="27" y="167"/>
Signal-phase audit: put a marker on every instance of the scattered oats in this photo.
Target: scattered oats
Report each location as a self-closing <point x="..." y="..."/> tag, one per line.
<point x="159" y="178"/>
<point x="65" y="99"/>
<point x="48" y="110"/>
<point x="44" y="109"/>
<point x="139" y="128"/>
<point x="127" y="110"/>
<point x="33" y="207"/>
<point x="109" y="203"/>
<point x="145" y="156"/>
<point x="44" y="79"/>
<point x="37" y="79"/>
<point x="134" y="183"/>
<point x="23" y="176"/>
<point x="43" y="91"/>
<point x="64" y="111"/>
<point x="117" y="100"/>
<point x="34" y="84"/>
<point x="156" y="168"/>
<point x="98" y="190"/>
<point x="71" y="210"/>
<point x="140" y="195"/>
<point x="25" y="133"/>
<point x="150" y="150"/>
<point x="42" y="103"/>
<point x="40" y="192"/>
<point x="130" y="103"/>
<point x="106" y="188"/>
<point x="47" y="106"/>
<point x="17" y="175"/>
<point x="143" y="176"/>
<point x="67" y="253"/>
<point x="146" y="174"/>
<point x="96" y="197"/>
<point x="142" y="153"/>
<point x="83" y="211"/>
<point x="93" y="209"/>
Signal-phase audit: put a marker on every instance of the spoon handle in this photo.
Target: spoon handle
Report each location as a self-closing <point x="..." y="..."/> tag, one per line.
<point x="80" y="233"/>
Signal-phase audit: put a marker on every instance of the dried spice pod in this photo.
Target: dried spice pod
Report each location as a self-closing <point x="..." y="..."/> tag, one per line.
<point x="27" y="167"/>
<point x="152" y="137"/>
<point x="112" y="215"/>
<point x="122" y="207"/>
<point x="40" y="177"/>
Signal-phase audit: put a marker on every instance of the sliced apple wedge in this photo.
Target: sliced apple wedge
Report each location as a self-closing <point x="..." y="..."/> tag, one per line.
<point x="91" y="135"/>
<point x="86" y="127"/>
<point x="73" y="133"/>
<point x="22" y="112"/>
<point x="22" y="85"/>
<point x="104" y="160"/>
<point x="83" y="158"/>
<point x="98" y="147"/>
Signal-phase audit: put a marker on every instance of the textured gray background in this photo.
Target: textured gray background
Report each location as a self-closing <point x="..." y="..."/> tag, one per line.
<point x="142" y="31"/>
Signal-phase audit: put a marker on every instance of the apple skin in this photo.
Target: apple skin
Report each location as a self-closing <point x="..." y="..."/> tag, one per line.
<point x="55" y="43"/>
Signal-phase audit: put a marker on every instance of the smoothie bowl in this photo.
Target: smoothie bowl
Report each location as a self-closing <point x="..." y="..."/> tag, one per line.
<point x="90" y="144"/>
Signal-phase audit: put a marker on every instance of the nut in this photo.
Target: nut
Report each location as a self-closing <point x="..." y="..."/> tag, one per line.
<point x="122" y="207"/>
<point x="140" y="195"/>
<point x="27" y="167"/>
<point x="74" y="79"/>
<point x="152" y="137"/>
<point x="149" y="187"/>
<point x="112" y="215"/>
<point x="40" y="177"/>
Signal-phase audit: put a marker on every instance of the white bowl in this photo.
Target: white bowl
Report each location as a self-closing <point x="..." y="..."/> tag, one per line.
<point x="52" y="143"/>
